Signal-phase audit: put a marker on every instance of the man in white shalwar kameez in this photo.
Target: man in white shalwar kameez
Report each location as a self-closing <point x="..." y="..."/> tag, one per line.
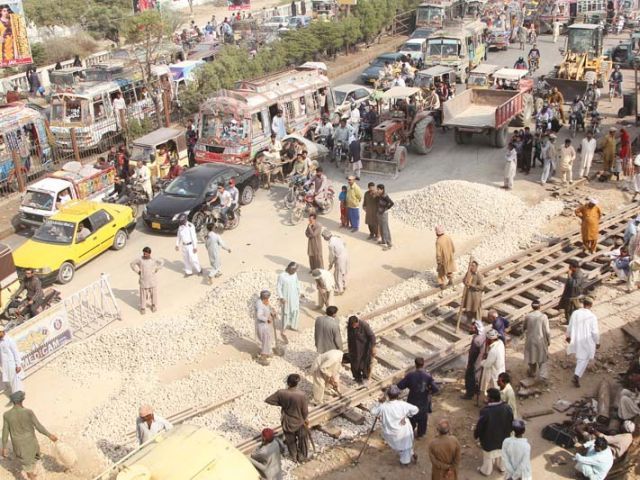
<point x="288" y="289"/>
<point x="11" y="364"/>
<point x="516" y="454"/>
<point x="325" y="285"/>
<point x="213" y="242"/>
<point x="583" y="338"/>
<point x="396" y="428"/>
<point x="325" y="369"/>
<point x="187" y="242"/>
<point x="338" y="260"/>
<point x="494" y="364"/>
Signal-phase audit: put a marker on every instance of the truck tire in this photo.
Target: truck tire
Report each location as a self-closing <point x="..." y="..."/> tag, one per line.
<point x="524" y="118"/>
<point x="457" y="135"/>
<point x="500" y="137"/>
<point x="423" y="134"/>
<point x="400" y="157"/>
<point x="622" y="112"/>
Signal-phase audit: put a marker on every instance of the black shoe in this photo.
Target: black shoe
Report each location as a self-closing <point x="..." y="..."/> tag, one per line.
<point x="576" y="381"/>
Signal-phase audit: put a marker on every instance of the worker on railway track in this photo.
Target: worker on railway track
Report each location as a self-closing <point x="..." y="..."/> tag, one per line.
<point x="148" y="424"/>
<point x="573" y="289"/>
<point x="421" y="387"/>
<point x="325" y="370"/>
<point x="327" y="333"/>
<point x="445" y="258"/>
<point x="589" y="215"/>
<point x="396" y="430"/>
<point x="476" y="352"/>
<point x="267" y="458"/>
<point x="472" y="294"/>
<point x="338" y="260"/>
<point x="538" y="339"/>
<point x="294" y="413"/>
<point x="583" y="337"/>
<point x="361" y="342"/>
<point x="493" y="363"/>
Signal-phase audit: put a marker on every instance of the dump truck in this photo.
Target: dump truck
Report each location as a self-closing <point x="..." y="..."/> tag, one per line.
<point x="583" y="62"/>
<point x="486" y="112"/>
<point x="185" y="452"/>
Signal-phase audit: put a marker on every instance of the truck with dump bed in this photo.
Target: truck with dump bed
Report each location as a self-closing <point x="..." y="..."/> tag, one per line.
<point x="481" y="111"/>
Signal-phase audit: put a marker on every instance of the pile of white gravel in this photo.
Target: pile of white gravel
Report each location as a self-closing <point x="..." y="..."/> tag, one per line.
<point x="462" y="208"/>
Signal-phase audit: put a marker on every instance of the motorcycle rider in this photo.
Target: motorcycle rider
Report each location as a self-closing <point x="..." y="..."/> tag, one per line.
<point x="33" y="286"/>
<point x="225" y="203"/>
<point x="520" y="64"/>
<point x="142" y="177"/>
<point x="341" y="136"/>
<point x="557" y="98"/>
<point x="591" y="97"/>
<point x="616" y="80"/>
<point x="544" y="117"/>
<point x="578" y="109"/>
<point x="175" y="170"/>
<point x="324" y="132"/>
<point x="320" y="188"/>
<point x="534" y="55"/>
<point x="235" y="194"/>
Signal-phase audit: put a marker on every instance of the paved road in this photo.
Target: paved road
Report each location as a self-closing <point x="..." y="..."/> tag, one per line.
<point x="263" y="240"/>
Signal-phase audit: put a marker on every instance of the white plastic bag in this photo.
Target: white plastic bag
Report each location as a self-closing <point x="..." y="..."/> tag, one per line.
<point x="65" y="454"/>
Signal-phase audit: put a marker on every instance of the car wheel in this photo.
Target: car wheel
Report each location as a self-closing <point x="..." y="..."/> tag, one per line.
<point x="66" y="272"/>
<point x="246" y="197"/>
<point x="120" y="240"/>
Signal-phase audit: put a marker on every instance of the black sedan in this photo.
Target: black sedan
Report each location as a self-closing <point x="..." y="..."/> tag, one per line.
<point x="189" y="191"/>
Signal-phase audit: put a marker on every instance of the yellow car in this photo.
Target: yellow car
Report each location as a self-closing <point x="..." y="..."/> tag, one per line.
<point x="79" y="232"/>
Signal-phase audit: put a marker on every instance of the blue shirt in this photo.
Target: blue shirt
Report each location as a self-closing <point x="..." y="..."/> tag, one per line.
<point x="499" y="325"/>
<point x="421" y="386"/>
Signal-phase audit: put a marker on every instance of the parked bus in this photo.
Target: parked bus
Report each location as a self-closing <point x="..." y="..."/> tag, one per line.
<point x="88" y="106"/>
<point x="433" y="13"/>
<point x="460" y="45"/>
<point x="235" y="125"/>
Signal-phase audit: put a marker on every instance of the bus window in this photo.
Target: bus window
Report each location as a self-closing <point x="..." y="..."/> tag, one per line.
<point x="257" y="124"/>
<point x="98" y="108"/>
<point x="310" y="101"/>
<point x="302" y="106"/>
<point x="289" y="110"/>
<point x="266" y="122"/>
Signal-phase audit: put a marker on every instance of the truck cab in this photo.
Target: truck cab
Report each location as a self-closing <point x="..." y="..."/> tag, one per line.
<point x="414" y="48"/>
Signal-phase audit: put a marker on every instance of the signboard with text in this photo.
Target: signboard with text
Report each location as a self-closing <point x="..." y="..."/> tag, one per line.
<point x="14" y="42"/>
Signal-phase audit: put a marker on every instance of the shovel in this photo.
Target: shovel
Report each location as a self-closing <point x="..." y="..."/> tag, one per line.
<point x="278" y="349"/>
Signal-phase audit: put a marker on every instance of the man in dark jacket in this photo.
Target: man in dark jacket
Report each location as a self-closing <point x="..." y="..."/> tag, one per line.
<point x="573" y="289"/>
<point x="362" y="342"/>
<point x="494" y="425"/>
<point x="421" y="386"/>
<point x="473" y="360"/>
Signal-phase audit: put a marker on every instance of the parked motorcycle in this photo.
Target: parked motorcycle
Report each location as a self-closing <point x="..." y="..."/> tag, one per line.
<point x="594" y="125"/>
<point x="305" y="205"/>
<point x="614" y="90"/>
<point x="19" y="310"/>
<point x="296" y="185"/>
<point x="212" y="215"/>
<point x="340" y="153"/>
<point x="132" y="195"/>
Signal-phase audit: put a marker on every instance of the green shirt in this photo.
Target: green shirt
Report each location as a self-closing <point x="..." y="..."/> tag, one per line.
<point x="21" y="423"/>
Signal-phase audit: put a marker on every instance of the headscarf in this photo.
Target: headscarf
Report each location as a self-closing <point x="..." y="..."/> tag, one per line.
<point x="268" y="435"/>
<point x="17" y="397"/>
<point x="479" y="326"/>
<point x="145" y="410"/>
<point x="628" y="426"/>
<point x="492" y="334"/>
<point x="439" y="230"/>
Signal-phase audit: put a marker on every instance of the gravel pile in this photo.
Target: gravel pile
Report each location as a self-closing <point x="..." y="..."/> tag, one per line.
<point x="463" y="208"/>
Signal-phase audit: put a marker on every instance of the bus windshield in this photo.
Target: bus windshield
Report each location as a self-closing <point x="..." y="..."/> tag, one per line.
<point x="429" y="14"/>
<point x="68" y="109"/>
<point x="225" y="128"/>
<point x="444" y="46"/>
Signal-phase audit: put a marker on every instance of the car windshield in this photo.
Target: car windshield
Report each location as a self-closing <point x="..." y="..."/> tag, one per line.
<point x="186" y="186"/>
<point x="340" y="96"/>
<point x="225" y="128"/>
<point x="477" y="79"/>
<point x="39" y="200"/>
<point x="411" y="47"/>
<point x="54" y="231"/>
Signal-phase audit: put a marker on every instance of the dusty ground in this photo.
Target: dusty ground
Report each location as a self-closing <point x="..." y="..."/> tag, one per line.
<point x="263" y="241"/>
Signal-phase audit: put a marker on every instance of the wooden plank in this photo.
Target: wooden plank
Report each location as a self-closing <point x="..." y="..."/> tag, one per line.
<point x="428" y="341"/>
<point x="389" y="361"/>
<point x="413" y="330"/>
<point x="402" y="346"/>
<point x="354" y="417"/>
<point x="633" y="330"/>
<point x="331" y="430"/>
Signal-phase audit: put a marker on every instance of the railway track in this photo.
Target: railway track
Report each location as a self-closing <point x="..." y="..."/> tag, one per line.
<point x="430" y="331"/>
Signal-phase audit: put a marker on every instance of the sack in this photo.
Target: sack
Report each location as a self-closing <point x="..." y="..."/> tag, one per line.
<point x="65" y="454"/>
<point x="558" y="434"/>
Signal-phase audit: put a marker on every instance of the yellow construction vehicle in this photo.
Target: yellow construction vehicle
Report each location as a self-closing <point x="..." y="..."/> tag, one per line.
<point x="583" y="62"/>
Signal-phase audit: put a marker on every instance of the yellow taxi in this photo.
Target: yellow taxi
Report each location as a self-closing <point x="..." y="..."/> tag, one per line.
<point x="79" y="232"/>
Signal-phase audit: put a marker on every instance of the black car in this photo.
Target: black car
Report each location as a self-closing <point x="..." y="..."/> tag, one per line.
<point x="189" y="191"/>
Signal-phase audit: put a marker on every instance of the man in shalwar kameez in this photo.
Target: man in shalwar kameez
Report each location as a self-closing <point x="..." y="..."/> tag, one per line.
<point x="213" y="242"/>
<point x="589" y="216"/>
<point x="338" y="260"/>
<point x="494" y="364"/>
<point x="444" y="258"/>
<point x="583" y="338"/>
<point x="11" y="364"/>
<point x="396" y="428"/>
<point x="264" y="327"/>
<point x="472" y="295"/>
<point x="288" y="289"/>
<point x="267" y="458"/>
<point x="325" y="370"/>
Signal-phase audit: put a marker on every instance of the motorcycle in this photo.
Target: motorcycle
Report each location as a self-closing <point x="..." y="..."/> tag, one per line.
<point x="296" y="184"/>
<point x="614" y="90"/>
<point x="18" y="311"/>
<point x="133" y="196"/>
<point x="534" y="64"/>
<point x="594" y="125"/>
<point x="305" y="205"/>
<point x="575" y="123"/>
<point x="160" y="184"/>
<point x="212" y="215"/>
<point x="340" y="153"/>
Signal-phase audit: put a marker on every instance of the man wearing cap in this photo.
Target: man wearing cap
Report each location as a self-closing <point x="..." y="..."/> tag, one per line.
<point x="148" y="424"/>
<point x="588" y="149"/>
<point x="293" y="415"/>
<point x="147" y="268"/>
<point x="589" y="214"/>
<point x="538" y="339"/>
<point x="338" y="260"/>
<point x="609" y="150"/>
<point x="21" y="424"/>
<point x="325" y="285"/>
<point x="325" y="370"/>
<point x="327" y="334"/>
<point x="314" y="242"/>
<point x="288" y="290"/>
<point x="472" y="295"/>
<point x="421" y="387"/>
<point x="370" y="207"/>
<point x="567" y="156"/>
<point x="476" y="352"/>
<point x="267" y="458"/>
<point x="187" y="242"/>
<point x="583" y="337"/>
<point x="445" y="261"/>
<point x="493" y="427"/>
<point x="264" y="325"/>
<point x="494" y="363"/>
<point x="396" y="430"/>
<point x="10" y="363"/>
<point x="354" y="198"/>
<point x="516" y="454"/>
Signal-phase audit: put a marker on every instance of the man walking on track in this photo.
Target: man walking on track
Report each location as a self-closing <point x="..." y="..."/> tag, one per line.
<point x="421" y="387"/>
<point x="573" y="289"/>
<point x="362" y="348"/>
<point x="472" y="295"/>
<point x="288" y="289"/>
<point x="538" y="339"/>
<point x="445" y="261"/>
<point x="444" y="453"/>
<point x="589" y="215"/>
<point x="583" y="338"/>
<point x="147" y="268"/>
<point x="314" y="243"/>
<point x="338" y="260"/>
<point x="187" y="242"/>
